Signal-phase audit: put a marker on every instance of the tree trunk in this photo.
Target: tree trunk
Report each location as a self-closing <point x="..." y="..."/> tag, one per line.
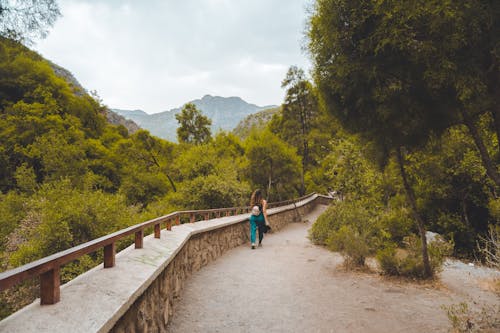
<point x="463" y="204"/>
<point x="491" y="170"/>
<point x="155" y="161"/>
<point x="270" y="180"/>
<point x="496" y="119"/>
<point x="410" y="195"/>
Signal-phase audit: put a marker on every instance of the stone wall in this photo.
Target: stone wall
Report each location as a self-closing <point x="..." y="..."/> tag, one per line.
<point x="153" y="309"/>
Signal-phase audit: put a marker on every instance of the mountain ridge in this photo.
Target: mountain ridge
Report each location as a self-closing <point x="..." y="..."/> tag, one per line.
<point x="225" y="113"/>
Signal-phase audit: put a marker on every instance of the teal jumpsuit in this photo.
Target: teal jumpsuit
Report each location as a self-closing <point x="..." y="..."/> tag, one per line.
<point x="257" y="221"/>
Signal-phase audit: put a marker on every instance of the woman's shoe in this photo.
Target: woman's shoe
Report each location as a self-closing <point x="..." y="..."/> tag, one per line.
<point x="253" y="246"/>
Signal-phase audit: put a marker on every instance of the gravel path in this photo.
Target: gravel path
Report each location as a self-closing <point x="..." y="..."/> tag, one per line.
<point x="289" y="285"/>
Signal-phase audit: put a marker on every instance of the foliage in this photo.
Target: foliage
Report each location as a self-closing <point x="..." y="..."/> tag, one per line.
<point x="271" y="164"/>
<point x="298" y="113"/>
<point x="194" y="127"/>
<point x="59" y="216"/>
<point x="408" y="261"/>
<point x="26" y="20"/>
<point x="399" y="74"/>
<point x="463" y="319"/>
<point x="349" y="227"/>
<point x="11" y="213"/>
<point x="256" y="121"/>
<point x="489" y="246"/>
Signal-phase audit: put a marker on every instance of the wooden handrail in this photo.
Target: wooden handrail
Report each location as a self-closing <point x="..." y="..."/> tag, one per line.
<point x="48" y="268"/>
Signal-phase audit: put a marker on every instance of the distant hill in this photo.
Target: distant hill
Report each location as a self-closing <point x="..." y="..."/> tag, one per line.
<point x="256" y="120"/>
<point x="225" y="113"/>
<point x="112" y="117"/>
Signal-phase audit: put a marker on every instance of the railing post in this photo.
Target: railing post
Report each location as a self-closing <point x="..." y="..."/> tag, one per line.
<point x="169" y="225"/>
<point x="49" y="287"/>
<point x="178" y="219"/>
<point x="157" y="230"/>
<point x="207" y="216"/>
<point x="139" y="236"/>
<point x="192" y="218"/>
<point x="228" y="213"/>
<point x="109" y="255"/>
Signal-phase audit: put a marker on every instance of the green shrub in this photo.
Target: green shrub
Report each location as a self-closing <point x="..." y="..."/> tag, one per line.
<point x="397" y="222"/>
<point x="352" y="244"/>
<point x="463" y="319"/>
<point x="350" y="227"/>
<point x="408" y="261"/>
<point x="387" y="260"/>
<point x="323" y="226"/>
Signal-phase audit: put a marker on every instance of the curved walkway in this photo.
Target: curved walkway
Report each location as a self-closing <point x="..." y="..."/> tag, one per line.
<point x="289" y="285"/>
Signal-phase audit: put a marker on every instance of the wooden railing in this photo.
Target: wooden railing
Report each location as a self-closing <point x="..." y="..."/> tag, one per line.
<point x="48" y="268"/>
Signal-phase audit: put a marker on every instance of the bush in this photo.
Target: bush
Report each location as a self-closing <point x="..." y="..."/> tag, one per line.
<point x="349" y="227"/>
<point x="351" y="244"/>
<point x="408" y="261"/>
<point x="323" y="225"/>
<point x="463" y="319"/>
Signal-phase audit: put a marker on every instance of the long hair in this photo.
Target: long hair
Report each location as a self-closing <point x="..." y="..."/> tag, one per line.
<point x="256" y="198"/>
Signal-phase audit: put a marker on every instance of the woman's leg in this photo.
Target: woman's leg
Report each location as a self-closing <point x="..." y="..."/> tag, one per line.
<point x="253" y="225"/>
<point x="261" y="225"/>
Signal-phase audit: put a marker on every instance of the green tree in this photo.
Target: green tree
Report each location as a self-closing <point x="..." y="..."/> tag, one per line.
<point x="28" y="19"/>
<point x="272" y="164"/>
<point x="370" y="67"/>
<point x="194" y="127"/>
<point x="297" y="116"/>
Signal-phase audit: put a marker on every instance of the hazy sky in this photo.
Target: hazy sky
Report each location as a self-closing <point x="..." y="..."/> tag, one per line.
<point x="155" y="55"/>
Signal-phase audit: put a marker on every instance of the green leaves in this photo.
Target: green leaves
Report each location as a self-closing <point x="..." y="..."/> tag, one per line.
<point x="194" y="127"/>
<point x="271" y="164"/>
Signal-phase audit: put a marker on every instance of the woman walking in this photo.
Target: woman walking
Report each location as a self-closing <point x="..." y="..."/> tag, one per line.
<point x="258" y="219"/>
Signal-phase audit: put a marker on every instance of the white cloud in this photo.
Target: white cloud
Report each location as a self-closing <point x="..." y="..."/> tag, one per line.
<point x="156" y="55"/>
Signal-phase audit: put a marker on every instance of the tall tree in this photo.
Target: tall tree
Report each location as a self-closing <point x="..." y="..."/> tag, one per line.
<point x="194" y="126"/>
<point x="298" y="112"/>
<point x="271" y="164"/>
<point x="25" y="20"/>
<point x="370" y="61"/>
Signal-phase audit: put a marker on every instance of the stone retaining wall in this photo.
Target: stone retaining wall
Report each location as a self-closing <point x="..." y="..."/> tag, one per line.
<point x="153" y="309"/>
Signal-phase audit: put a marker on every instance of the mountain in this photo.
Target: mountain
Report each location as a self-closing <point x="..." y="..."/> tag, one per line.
<point x="112" y="117"/>
<point x="225" y="113"/>
<point x="256" y="120"/>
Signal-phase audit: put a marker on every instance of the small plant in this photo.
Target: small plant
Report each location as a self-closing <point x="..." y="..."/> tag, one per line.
<point x="464" y="320"/>
<point x="489" y="246"/>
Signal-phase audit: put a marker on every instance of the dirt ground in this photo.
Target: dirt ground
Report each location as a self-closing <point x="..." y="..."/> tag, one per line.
<point x="290" y="285"/>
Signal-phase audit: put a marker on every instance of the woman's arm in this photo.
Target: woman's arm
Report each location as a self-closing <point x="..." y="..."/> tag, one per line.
<point x="264" y="210"/>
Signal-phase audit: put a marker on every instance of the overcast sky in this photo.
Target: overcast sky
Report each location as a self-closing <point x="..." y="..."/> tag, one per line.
<point x="155" y="55"/>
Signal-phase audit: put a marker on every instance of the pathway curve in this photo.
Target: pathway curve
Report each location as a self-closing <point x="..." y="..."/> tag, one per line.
<point x="289" y="285"/>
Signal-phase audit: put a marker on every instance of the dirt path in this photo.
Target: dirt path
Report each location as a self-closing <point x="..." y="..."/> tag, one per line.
<point x="289" y="285"/>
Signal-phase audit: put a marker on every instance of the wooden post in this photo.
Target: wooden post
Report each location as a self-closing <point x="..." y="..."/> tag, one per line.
<point x="169" y="225"/>
<point x="157" y="230"/>
<point x="192" y="218"/>
<point x="139" y="236"/>
<point x="228" y="213"/>
<point x="49" y="287"/>
<point x="178" y="219"/>
<point x="207" y="216"/>
<point x="109" y="255"/>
